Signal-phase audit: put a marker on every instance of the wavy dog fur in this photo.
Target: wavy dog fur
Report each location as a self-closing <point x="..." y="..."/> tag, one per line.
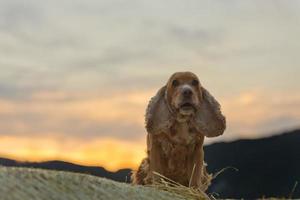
<point x="176" y="134"/>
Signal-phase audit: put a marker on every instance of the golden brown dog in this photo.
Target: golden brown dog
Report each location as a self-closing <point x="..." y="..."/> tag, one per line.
<point x="178" y="118"/>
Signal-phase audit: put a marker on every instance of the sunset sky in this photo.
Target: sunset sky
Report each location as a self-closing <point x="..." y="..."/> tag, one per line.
<point x="76" y="76"/>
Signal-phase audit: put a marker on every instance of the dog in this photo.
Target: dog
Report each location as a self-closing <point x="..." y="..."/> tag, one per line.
<point x="177" y="119"/>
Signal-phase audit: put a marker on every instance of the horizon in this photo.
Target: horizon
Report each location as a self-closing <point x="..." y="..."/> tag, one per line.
<point x="282" y="134"/>
<point x="76" y="77"/>
<point x="84" y="164"/>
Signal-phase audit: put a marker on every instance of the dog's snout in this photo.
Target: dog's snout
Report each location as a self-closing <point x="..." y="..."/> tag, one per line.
<point x="187" y="92"/>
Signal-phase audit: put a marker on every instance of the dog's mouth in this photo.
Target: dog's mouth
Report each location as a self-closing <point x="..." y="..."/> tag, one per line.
<point x="187" y="106"/>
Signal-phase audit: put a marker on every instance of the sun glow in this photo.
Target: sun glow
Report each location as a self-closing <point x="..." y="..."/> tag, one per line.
<point x="108" y="153"/>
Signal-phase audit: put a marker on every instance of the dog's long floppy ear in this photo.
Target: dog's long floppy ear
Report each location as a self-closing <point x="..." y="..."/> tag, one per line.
<point x="158" y="116"/>
<point x="209" y="118"/>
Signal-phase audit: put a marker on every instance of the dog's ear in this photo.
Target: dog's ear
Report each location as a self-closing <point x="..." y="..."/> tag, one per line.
<point x="158" y="116"/>
<point x="209" y="119"/>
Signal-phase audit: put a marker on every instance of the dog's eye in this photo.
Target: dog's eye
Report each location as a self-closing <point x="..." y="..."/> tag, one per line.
<point x="175" y="83"/>
<point x="195" y="82"/>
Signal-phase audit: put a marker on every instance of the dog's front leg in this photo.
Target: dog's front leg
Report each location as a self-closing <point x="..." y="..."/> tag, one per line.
<point x="195" y="164"/>
<point x="155" y="154"/>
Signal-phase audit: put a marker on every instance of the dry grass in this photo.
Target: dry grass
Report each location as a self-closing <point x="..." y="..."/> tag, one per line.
<point x="166" y="184"/>
<point x="163" y="183"/>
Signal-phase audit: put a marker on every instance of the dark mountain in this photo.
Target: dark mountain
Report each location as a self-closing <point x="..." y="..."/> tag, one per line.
<point x="121" y="175"/>
<point x="267" y="167"/>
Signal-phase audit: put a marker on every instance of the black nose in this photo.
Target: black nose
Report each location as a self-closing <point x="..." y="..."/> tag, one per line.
<point x="187" y="92"/>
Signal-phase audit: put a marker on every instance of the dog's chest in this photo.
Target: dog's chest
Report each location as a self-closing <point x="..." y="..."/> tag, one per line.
<point x="181" y="139"/>
<point x="182" y="134"/>
<point x="178" y="148"/>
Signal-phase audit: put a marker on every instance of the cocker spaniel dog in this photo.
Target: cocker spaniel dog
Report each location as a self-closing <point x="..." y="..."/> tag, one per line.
<point x="178" y="118"/>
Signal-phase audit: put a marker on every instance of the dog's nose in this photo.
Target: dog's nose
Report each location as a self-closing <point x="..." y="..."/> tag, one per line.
<point x="187" y="92"/>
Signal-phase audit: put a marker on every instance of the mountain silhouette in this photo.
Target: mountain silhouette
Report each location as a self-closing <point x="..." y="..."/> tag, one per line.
<point x="267" y="167"/>
<point x="121" y="175"/>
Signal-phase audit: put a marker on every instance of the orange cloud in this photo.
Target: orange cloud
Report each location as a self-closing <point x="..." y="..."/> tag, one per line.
<point x="121" y="106"/>
<point x="249" y="110"/>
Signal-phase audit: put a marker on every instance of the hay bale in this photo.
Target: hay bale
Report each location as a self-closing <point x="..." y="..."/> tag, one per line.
<point x="37" y="184"/>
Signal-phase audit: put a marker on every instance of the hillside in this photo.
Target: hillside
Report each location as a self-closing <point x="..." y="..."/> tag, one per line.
<point x="267" y="166"/>
<point x="121" y="175"/>
<point x="36" y="184"/>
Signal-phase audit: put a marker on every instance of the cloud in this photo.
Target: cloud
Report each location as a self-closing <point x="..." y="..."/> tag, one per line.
<point x="76" y="46"/>
<point x="121" y="115"/>
<point x="87" y="117"/>
<point x="260" y="113"/>
<point x="17" y="14"/>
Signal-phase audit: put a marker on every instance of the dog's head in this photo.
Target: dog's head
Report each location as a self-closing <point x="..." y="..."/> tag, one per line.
<point x="183" y="93"/>
<point x="184" y="99"/>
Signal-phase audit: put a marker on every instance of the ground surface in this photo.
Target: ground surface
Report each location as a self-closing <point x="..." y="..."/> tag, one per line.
<point x="36" y="184"/>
